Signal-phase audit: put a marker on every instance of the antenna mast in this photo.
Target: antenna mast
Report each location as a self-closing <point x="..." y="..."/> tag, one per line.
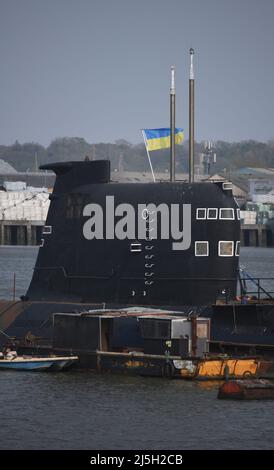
<point x="191" y="118"/>
<point x="172" y="125"/>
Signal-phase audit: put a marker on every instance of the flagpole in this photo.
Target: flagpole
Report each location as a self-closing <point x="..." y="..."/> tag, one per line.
<point x="172" y="125"/>
<point x="148" y="156"/>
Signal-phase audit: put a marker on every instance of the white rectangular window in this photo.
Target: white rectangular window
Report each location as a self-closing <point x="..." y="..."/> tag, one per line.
<point x="226" y="213"/>
<point x="201" y="213"/>
<point x="42" y="241"/>
<point x="237" y="249"/>
<point x="225" y="248"/>
<point x="135" y="247"/>
<point x="47" y="230"/>
<point x="212" y="213"/>
<point x="227" y="186"/>
<point x="238" y="214"/>
<point x="201" y="248"/>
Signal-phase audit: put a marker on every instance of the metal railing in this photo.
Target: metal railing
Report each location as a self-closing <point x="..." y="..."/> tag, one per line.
<point x="258" y="287"/>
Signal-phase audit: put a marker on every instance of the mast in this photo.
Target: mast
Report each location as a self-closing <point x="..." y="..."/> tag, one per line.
<point x="191" y="118"/>
<point x="172" y="125"/>
<point x="36" y="163"/>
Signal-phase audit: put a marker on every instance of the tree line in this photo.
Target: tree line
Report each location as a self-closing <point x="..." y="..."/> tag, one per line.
<point x="125" y="156"/>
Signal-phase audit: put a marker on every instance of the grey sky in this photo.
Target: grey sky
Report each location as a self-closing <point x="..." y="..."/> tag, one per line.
<point x="100" y="69"/>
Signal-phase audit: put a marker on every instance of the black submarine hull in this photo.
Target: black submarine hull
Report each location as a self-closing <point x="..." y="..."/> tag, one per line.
<point x="156" y="261"/>
<point x="191" y="266"/>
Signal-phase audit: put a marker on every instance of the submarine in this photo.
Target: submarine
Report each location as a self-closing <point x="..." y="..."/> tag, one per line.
<point x="165" y="248"/>
<point x="83" y="258"/>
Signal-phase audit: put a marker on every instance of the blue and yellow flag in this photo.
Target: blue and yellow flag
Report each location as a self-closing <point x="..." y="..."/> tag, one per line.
<point x="160" y="138"/>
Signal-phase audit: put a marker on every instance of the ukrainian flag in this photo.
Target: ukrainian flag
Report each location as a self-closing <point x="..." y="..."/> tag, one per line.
<point x="160" y="138"/>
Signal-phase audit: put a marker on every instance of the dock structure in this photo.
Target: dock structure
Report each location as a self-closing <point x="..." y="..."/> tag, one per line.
<point x="257" y="235"/>
<point x="23" y="232"/>
<point x="29" y="232"/>
<point x="22" y="216"/>
<point x="23" y="213"/>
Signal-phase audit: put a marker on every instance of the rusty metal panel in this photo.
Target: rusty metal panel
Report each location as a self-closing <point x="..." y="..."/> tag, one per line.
<point x="219" y="368"/>
<point x="203" y="328"/>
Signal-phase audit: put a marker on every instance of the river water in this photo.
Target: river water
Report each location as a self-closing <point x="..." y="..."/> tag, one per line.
<point x="83" y="410"/>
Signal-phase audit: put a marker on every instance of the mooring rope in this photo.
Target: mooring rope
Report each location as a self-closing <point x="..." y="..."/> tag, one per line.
<point x="5" y="334"/>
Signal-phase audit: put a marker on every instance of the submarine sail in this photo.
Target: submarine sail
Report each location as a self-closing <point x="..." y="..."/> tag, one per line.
<point x="160" y="243"/>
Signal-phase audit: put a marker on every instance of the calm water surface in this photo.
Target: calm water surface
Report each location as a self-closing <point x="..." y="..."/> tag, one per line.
<point x="82" y="410"/>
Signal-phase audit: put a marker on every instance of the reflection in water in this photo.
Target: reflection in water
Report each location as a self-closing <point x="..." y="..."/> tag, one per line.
<point x="209" y="384"/>
<point x="83" y="410"/>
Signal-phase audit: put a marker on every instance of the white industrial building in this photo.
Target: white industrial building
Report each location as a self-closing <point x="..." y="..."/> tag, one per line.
<point x="23" y="212"/>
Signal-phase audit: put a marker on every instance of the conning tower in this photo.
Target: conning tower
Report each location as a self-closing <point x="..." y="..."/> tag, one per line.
<point x="163" y="243"/>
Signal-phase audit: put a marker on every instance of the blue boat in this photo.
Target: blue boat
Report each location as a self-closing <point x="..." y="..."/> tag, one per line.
<point x="32" y="363"/>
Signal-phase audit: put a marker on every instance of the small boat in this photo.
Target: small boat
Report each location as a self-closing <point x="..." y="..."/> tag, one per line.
<point x="258" y="389"/>
<point x="37" y="363"/>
